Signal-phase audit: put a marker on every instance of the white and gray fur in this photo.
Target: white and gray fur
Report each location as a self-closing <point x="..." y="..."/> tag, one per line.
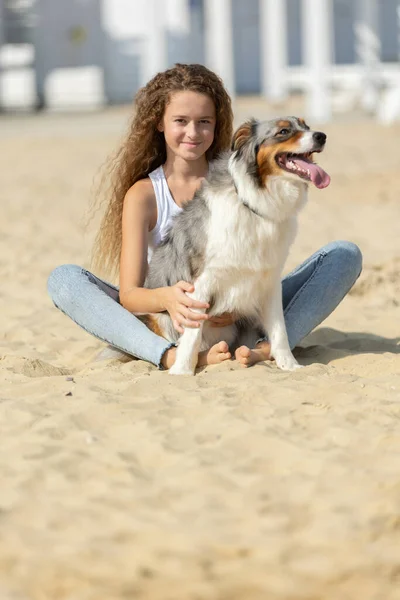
<point x="231" y="241"/>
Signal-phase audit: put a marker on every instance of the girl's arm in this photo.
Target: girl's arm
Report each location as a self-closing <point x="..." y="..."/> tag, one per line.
<point x="138" y="219"/>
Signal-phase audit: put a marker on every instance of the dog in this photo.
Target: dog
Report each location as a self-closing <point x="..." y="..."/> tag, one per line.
<point x="232" y="240"/>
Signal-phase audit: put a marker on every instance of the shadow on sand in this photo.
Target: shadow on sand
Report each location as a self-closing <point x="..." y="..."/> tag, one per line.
<point x="327" y="344"/>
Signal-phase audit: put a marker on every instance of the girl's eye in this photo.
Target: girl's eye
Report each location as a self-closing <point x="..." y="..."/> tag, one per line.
<point x="204" y="121"/>
<point x="179" y="120"/>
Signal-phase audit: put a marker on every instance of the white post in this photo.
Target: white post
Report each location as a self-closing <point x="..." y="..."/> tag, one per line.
<point x="132" y="28"/>
<point x="218" y="40"/>
<point x="178" y="16"/>
<point x="156" y="41"/>
<point x="388" y="108"/>
<point x="2" y="28"/>
<point x="273" y="34"/>
<point x="368" y="49"/>
<point x="317" y="22"/>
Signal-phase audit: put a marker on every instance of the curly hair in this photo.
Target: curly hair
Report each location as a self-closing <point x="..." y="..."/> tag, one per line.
<point x="144" y="149"/>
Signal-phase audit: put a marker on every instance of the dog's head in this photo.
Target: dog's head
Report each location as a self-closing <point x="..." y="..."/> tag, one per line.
<point x="281" y="147"/>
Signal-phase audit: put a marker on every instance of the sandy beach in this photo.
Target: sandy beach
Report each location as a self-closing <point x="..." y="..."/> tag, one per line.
<point x="121" y="482"/>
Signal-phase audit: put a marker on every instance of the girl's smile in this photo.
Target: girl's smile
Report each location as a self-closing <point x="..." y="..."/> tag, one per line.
<point x="188" y="125"/>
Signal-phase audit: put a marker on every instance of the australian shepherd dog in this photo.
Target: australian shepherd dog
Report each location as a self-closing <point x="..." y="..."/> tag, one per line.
<point x="232" y="240"/>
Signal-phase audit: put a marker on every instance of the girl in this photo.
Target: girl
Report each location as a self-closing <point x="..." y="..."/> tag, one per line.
<point x="183" y="119"/>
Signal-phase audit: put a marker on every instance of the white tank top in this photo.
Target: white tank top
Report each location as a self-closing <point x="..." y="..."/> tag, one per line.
<point x="166" y="209"/>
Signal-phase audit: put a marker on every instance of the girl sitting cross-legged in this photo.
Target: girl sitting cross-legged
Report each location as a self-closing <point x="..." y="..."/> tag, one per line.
<point x="182" y="120"/>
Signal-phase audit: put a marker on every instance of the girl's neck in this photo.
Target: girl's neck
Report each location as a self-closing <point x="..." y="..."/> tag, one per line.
<point x="184" y="169"/>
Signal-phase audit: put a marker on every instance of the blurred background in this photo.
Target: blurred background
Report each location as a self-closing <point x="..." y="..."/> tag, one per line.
<point x="85" y="54"/>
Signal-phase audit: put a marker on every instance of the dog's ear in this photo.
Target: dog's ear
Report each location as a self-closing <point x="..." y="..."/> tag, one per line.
<point x="303" y="123"/>
<point x="243" y="134"/>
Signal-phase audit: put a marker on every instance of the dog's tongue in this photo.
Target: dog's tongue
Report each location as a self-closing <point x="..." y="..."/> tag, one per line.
<point x="318" y="176"/>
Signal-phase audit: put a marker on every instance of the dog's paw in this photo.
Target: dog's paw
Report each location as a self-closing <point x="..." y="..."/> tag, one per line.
<point x="287" y="362"/>
<point x="177" y="369"/>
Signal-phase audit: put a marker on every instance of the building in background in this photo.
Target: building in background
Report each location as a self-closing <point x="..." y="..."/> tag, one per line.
<point x="86" y="53"/>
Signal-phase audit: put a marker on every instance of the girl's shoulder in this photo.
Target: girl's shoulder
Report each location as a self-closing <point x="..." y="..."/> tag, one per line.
<point x="142" y="189"/>
<point x="141" y="193"/>
<point x="141" y="199"/>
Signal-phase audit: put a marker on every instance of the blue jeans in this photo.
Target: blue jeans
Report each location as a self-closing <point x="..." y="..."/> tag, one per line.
<point x="310" y="293"/>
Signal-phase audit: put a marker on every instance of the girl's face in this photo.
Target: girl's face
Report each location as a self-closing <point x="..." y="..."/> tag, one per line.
<point x="188" y="124"/>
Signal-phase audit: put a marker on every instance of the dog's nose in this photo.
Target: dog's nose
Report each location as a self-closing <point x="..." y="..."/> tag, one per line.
<point x="319" y="137"/>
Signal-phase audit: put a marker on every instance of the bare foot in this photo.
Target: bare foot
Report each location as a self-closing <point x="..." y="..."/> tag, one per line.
<point x="215" y="355"/>
<point x="247" y="357"/>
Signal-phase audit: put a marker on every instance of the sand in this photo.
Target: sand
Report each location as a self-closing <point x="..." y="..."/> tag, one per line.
<point x="121" y="482"/>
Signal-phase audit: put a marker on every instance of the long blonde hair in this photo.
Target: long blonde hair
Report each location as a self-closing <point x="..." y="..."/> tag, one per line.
<point x="144" y="150"/>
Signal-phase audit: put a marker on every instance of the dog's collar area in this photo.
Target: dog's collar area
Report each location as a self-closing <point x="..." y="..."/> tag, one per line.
<point x="246" y="204"/>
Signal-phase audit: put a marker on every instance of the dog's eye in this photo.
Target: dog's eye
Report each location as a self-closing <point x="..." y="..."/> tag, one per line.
<point x="284" y="131"/>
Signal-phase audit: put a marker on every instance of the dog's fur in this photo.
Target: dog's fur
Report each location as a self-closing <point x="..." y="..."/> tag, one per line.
<point x="231" y="241"/>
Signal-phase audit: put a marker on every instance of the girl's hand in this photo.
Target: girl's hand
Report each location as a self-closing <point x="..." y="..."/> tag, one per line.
<point x="178" y="304"/>
<point x="222" y="320"/>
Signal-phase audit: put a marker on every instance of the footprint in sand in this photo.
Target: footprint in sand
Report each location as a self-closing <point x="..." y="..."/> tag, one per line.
<point x="30" y="367"/>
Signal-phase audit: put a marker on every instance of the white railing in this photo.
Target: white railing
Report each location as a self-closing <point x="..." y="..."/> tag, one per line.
<point x="370" y="84"/>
